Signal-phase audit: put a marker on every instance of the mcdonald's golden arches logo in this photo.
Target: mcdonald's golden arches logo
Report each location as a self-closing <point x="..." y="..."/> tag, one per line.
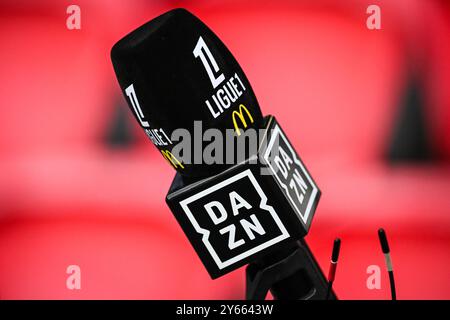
<point x="172" y="159"/>
<point x="240" y="115"/>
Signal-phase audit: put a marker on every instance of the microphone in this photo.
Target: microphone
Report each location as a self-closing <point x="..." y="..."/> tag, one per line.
<point x="177" y="75"/>
<point x="174" y="70"/>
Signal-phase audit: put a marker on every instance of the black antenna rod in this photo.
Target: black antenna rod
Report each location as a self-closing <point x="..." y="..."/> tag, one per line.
<point x="333" y="265"/>
<point x="387" y="256"/>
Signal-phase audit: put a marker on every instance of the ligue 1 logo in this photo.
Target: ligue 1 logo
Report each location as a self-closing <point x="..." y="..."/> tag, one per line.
<point x="234" y="219"/>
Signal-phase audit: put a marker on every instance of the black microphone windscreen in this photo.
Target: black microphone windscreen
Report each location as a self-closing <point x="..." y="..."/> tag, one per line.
<point x="173" y="71"/>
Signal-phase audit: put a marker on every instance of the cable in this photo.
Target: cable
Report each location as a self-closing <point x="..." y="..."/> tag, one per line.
<point x="333" y="265"/>
<point x="387" y="257"/>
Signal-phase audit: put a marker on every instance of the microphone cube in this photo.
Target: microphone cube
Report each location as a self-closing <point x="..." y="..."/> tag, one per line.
<point x="249" y="210"/>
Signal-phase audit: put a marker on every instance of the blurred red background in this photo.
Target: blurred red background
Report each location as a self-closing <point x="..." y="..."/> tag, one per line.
<point x="367" y="110"/>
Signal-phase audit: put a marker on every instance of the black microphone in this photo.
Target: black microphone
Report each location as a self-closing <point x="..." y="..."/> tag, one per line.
<point x="174" y="70"/>
<point x="176" y="74"/>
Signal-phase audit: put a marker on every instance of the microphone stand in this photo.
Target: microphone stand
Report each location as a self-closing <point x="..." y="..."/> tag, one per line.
<point x="290" y="274"/>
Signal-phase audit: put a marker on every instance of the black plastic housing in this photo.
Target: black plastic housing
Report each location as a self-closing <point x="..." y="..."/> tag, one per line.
<point x="279" y="202"/>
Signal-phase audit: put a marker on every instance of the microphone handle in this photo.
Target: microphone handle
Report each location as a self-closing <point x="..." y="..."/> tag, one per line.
<point x="290" y="274"/>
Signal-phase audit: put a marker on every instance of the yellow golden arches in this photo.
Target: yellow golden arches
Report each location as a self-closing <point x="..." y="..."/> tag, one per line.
<point x="240" y="114"/>
<point x="172" y="159"/>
